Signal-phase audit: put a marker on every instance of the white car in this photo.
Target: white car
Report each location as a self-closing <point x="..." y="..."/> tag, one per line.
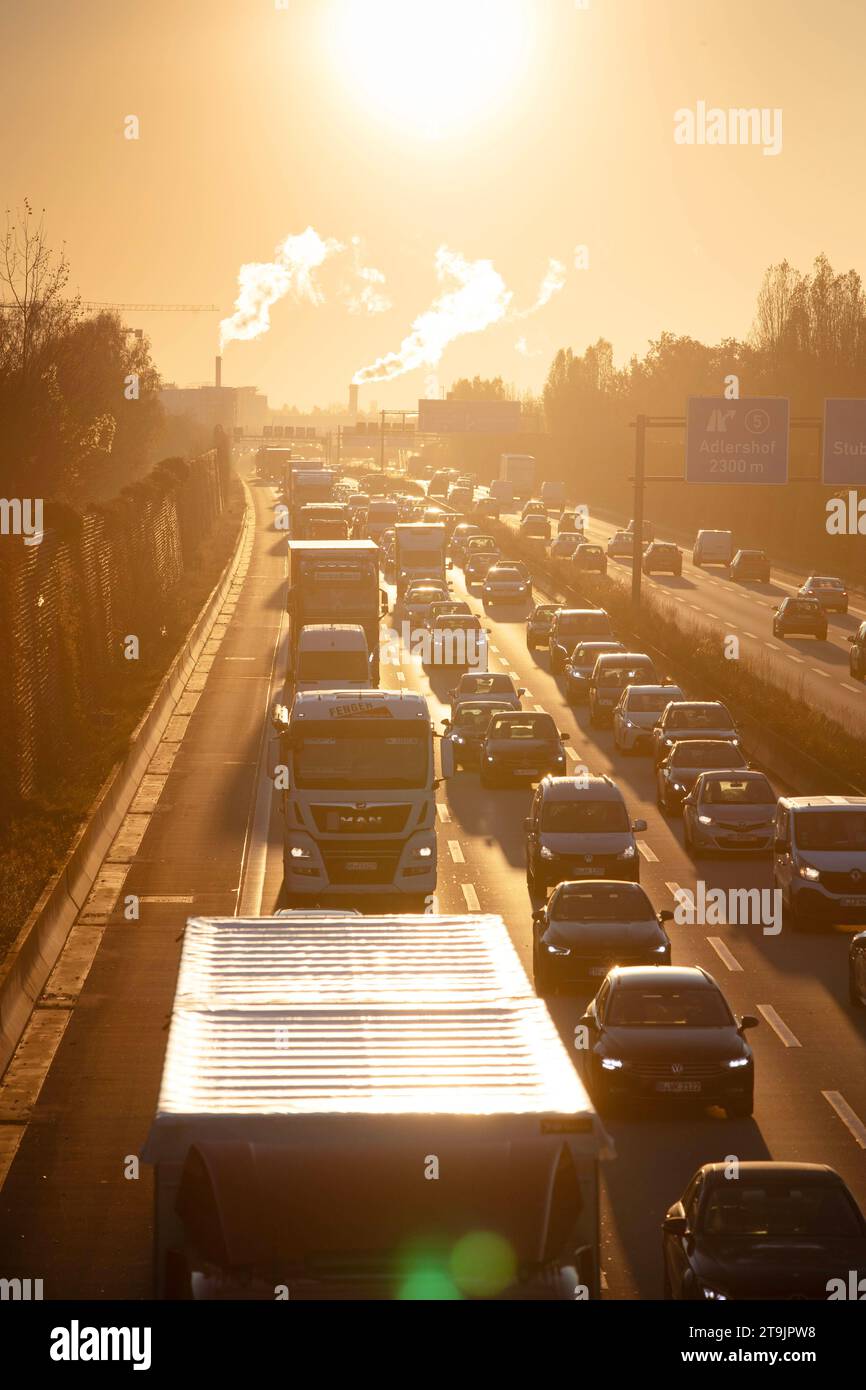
<point x="637" y="714"/>
<point x="419" y="598"/>
<point x="507" y="583"/>
<point x="828" y="590"/>
<point x="478" y="688"/>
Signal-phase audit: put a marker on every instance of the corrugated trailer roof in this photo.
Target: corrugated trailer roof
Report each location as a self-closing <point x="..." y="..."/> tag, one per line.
<point x="277" y="1019"/>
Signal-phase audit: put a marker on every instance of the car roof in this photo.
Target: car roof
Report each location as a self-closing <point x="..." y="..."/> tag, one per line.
<point x="636" y="976"/>
<point x="823" y="803"/>
<point x="599" y="786"/>
<point x="651" y="690"/>
<point x="623" y="658"/>
<point x="700" y="704"/>
<point x="766" y="1168"/>
<point x="580" y="612"/>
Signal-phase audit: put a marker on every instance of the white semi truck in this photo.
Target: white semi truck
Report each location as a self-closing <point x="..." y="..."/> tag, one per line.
<point x="518" y="470"/>
<point x="369" y="1108"/>
<point x="419" y="553"/>
<point x="359" y="810"/>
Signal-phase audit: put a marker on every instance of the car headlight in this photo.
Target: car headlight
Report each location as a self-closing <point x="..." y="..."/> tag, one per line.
<point x="678" y="787"/>
<point x="627" y="853"/>
<point x="490" y="758"/>
<point x="546" y="853"/>
<point x="714" y="1294"/>
<point x="298" y="852"/>
<point x="611" y="1063"/>
<point x="705" y="820"/>
<point x="627" y="723"/>
<point x="423" y="852"/>
<point x="806" y="871"/>
<point x="739" y="1062"/>
<point x="457" y="738"/>
<point x="660" y="950"/>
<point x="558" y="951"/>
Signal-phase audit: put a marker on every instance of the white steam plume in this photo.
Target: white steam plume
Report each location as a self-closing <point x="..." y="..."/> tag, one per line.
<point x="480" y="299"/>
<point x="263" y="283"/>
<point x="553" y="282"/>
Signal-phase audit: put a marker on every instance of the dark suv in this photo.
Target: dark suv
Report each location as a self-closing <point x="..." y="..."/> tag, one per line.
<point x="573" y="625"/>
<point x="802" y="617"/>
<point x="521" y="748"/>
<point x="857" y="654"/>
<point x="579" y="827"/>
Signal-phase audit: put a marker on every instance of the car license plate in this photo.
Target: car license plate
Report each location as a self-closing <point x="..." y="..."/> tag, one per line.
<point x="361" y="866"/>
<point x="588" y="870"/>
<point x="854" y="902"/>
<point x="678" y="1086"/>
<point x="525" y="772"/>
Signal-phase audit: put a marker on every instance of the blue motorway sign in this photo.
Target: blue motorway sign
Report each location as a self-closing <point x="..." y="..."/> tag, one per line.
<point x="468" y="417"/>
<point x="744" y="441"/>
<point x="844" y="453"/>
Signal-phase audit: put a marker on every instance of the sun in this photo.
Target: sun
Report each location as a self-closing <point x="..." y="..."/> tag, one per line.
<point x="434" y="67"/>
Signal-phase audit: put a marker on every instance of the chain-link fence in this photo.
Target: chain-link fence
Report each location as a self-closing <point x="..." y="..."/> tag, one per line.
<point x="68" y="604"/>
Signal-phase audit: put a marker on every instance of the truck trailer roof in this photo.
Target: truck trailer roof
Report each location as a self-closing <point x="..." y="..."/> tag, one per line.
<point x="338" y="548"/>
<point x="351" y="704"/>
<point x="283" y="1027"/>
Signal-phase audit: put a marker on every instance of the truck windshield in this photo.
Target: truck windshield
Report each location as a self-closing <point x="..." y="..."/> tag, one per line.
<point x="333" y="666"/>
<point x="361" y="755"/>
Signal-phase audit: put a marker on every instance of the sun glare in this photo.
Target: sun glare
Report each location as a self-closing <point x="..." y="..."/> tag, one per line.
<point x="435" y="67"/>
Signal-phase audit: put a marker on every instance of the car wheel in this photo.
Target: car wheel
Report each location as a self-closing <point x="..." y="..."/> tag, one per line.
<point x="742" y="1108"/>
<point x="791" y="919"/>
<point x="822" y="635"/>
<point x="660" y="797"/>
<point x="854" y="995"/>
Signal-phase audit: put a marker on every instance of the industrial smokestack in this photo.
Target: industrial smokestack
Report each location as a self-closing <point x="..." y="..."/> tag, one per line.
<point x="353" y="400"/>
<point x="219" y="372"/>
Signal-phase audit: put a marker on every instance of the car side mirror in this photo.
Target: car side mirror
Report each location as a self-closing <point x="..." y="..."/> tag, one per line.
<point x="564" y="737"/>
<point x="446" y="723"/>
<point x="638" y="826"/>
<point x="748" y="1021"/>
<point x="521" y="690"/>
<point x="588" y="1018"/>
<point x="666" y="915"/>
<point x="675" y="1225"/>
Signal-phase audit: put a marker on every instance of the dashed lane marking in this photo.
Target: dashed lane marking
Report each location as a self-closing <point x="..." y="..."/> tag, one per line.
<point x="470" y="897"/>
<point x="778" y="1025"/>
<point x="456" y="852"/>
<point x="401" y="676"/>
<point x="849" y="1117"/>
<point x="723" y="953"/>
<point x="819" y="672"/>
<point x="855" y="690"/>
<point x="443" y="812"/>
<point x="646" y="853"/>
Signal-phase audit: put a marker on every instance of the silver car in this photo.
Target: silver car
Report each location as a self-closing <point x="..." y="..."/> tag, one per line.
<point x="730" y="812"/>
<point x="638" y="712"/>
<point x="507" y="584"/>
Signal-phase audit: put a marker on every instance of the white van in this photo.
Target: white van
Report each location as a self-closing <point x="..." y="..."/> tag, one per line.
<point x="713" y="548"/>
<point x="332" y="656"/>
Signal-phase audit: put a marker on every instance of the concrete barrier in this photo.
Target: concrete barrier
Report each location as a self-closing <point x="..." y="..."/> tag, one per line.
<point x="36" y="949"/>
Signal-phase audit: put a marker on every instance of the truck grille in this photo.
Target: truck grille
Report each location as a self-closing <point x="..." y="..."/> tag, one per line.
<point x="360" y="820"/>
<point x="845" y="882"/>
<point x="367" y="861"/>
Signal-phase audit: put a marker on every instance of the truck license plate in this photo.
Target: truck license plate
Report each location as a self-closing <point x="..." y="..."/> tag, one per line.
<point x="361" y="866"/>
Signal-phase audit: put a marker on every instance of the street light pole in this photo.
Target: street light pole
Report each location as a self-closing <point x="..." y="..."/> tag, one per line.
<point x="637" y="514"/>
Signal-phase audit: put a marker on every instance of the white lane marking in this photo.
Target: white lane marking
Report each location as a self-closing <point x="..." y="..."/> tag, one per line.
<point x="799" y="660"/>
<point x="443" y="812"/>
<point x="539" y="709"/>
<point x="603" y="1279"/>
<point x="166" y="898"/>
<point x="753" y="635"/>
<point x="470" y="897"/>
<point x="400" y="675"/>
<point x="848" y="1116"/>
<point x="572" y="753"/>
<point x="240" y="658"/>
<point x="456" y="852"/>
<point x="779" y="1027"/>
<point x="493" y="649"/>
<point x="855" y="689"/>
<point x="723" y="953"/>
<point x="527" y="694"/>
<point x="646" y="852"/>
<point x="673" y="888"/>
<point x="713" y="615"/>
<point x="819" y="672"/>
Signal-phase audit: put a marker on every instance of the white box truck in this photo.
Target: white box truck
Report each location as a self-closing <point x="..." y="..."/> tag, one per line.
<point x="359" y="812"/>
<point x="419" y="553"/>
<point x="519" y="470"/>
<point x="369" y="1108"/>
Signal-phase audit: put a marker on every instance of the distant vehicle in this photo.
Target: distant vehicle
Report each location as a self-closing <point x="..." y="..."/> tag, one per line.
<point x="589" y="559"/>
<point x="478" y="565"/>
<point x="830" y="592"/>
<point x="857" y="970"/>
<point x="580" y="666"/>
<point x="443" y="606"/>
<point x="579" y="827"/>
<point x="382" y="515"/>
<point x="334" y="582"/>
<point x="565" y="545"/>
<point x="507" y="583"/>
<point x="538" y="625"/>
<point x="333" y="656"/>
<point x="692" y="719"/>
<point x="502" y="491"/>
<point x="750" y="566"/>
<point x="662" y="557"/>
<point x="487" y="506"/>
<point x="638" y="711"/>
<point x="553" y="495"/>
<point x="800" y="617"/>
<point x="586" y="928"/>
<point x="573" y="625"/>
<point x="460" y="498"/>
<point x="677" y="773"/>
<point x="857" y="654"/>
<point x="663" y="1031"/>
<point x="521" y="747"/>
<point x="713" y="548"/>
<point x="519" y="471"/>
<point x="534" y="507"/>
<point x="782" y="1231"/>
<point x="729" y="813"/>
<point x="419" y="598"/>
<point x="480" y="688"/>
<point x="648" y="532"/>
<point x="457" y="640"/>
<point x="441" y="481"/>
<point x="819" y="860"/>
<point x="620" y="546"/>
<point x="473" y="545"/>
<point x="570" y="520"/>
<point x="463" y="532"/>
<point x="612" y="672"/>
<point x="535" y="528"/>
<point x="466" y="728"/>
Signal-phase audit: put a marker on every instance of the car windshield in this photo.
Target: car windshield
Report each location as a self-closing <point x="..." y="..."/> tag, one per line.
<point x="355" y="756"/>
<point x="825" y="584"/>
<point x="528" y="726"/>
<point x="586" y="653"/>
<point x="472" y="717"/>
<point x="610" y="676"/>
<point x="737" y="791"/>
<point x="646" y="702"/>
<point x="802" y="605"/>
<point x="701" y="717"/>
<point x="585" y="817"/>
<point x="486" y="685"/>
<point x="457" y="622"/>
<point x="829" y="830"/>
<point x="423" y="595"/>
<point x="597" y="902"/>
<point x="588" y="550"/>
<point x="779" y="1208"/>
<point x="481" y="544"/>
<point x="571" y="623"/>
<point x="679" y="1006"/>
<point x="507" y="572"/>
<point x="545" y="614"/>
<point x="695" y="754"/>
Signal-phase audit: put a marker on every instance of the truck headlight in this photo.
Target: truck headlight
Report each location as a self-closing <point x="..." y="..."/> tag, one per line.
<point x="611" y="1063"/>
<point x="627" y="853"/>
<point x="705" y="820"/>
<point x="298" y="852"/>
<point x="546" y="853"/>
<point x="423" y="852"/>
<point x="558" y="951"/>
<point x="739" y="1062"/>
<point x="806" y="871"/>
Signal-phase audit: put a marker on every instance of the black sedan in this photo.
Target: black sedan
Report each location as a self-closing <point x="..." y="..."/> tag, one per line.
<point x="521" y="748"/>
<point x="765" y="1231"/>
<point x="466" y="728"/>
<point x="857" y="970"/>
<point x="802" y="617"/>
<point x="588" y="926"/>
<point x="667" y="1032"/>
<point x="688" y="758"/>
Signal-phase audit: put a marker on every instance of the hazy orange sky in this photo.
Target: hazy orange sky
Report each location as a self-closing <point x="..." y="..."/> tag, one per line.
<point x="511" y="140"/>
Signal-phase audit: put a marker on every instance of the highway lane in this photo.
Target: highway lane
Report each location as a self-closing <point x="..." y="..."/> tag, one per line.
<point x="66" y="1211"/>
<point x="703" y="599"/>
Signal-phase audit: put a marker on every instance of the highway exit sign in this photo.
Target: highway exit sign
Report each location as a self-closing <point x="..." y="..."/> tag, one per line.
<point x="744" y="441"/>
